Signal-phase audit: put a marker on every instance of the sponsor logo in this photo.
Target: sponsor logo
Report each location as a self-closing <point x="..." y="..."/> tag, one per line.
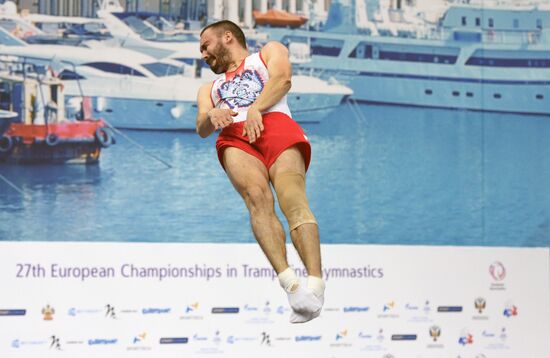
<point x="48" y="312"/>
<point x="102" y="341"/>
<point x="307" y="338"/>
<point x="155" y="310"/>
<point x="388" y="306"/>
<point x="249" y="308"/>
<point x="265" y="339"/>
<point x="503" y="335"/>
<point x="362" y="335"/>
<point x="192" y="308"/>
<point x="403" y="337"/>
<point x="16" y="312"/>
<point x="480" y="304"/>
<point x="174" y="340"/>
<point x="510" y="310"/>
<point x="435" y="332"/>
<point x="487" y="334"/>
<point x="139" y="338"/>
<point x="356" y="309"/>
<point x="380" y="337"/>
<point x="73" y="311"/>
<point x="449" y="309"/>
<point x="110" y="311"/>
<point x="18" y="343"/>
<point x="233" y="339"/>
<point x="281" y="310"/>
<point x="55" y="343"/>
<point x="223" y="310"/>
<point x="342" y="334"/>
<point x="139" y="343"/>
<point x="427" y="307"/>
<point x="465" y="338"/>
<point x="199" y="338"/>
<point x="497" y="271"/>
<point x="410" y="307"/>
<point x="388" y="310"/>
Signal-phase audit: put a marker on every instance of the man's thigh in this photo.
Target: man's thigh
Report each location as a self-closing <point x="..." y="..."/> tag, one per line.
<point x="244" y="170"/>
<point x="290" y="161"/>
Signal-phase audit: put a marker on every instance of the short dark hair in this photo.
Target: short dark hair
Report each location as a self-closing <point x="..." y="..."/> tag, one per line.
<point x="226" y="25"/>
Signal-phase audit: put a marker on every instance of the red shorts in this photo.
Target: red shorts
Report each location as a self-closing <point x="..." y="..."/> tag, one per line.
<point x="280" y="133"/>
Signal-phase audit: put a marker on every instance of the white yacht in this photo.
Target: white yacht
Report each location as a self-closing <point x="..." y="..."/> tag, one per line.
<point x="491" y="57"/>
<point x="128" y="89"/>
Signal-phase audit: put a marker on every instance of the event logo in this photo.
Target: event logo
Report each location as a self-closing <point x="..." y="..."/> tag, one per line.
<point x="435" y="332"/>
<point x="55" y="343"/>
<point x="497" y="271"/>
<point x="466" y="338"/>
<point x="48" y="312"/>
<point x="480" y="304"/>
<point x="510" y="310"/>
<point x="110" y="311"/>
<point x="266" y="339"/>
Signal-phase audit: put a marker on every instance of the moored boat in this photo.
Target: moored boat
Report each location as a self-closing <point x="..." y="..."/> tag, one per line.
<point x="39" y="131"/>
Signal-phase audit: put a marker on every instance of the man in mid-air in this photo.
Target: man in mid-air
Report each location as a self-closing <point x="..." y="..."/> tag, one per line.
<point x="261" y="144"/>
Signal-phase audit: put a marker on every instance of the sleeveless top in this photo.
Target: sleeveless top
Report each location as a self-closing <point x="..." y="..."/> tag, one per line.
<point x="238" y="89"/>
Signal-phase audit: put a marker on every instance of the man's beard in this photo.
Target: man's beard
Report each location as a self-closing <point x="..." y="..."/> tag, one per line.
<point x="222" y="58"/>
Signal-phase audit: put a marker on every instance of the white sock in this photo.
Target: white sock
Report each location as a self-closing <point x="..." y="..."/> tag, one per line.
<point x="288" y="279"/>
<point x="303" y="301"/>
<point x="317" y="286"/>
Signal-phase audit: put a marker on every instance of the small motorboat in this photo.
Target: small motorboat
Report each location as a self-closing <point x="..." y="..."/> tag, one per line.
<point x="5" y="120"/>
<point x="39" y="129"/>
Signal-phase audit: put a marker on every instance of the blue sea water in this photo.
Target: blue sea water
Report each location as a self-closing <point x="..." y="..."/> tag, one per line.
<point x="398" y="175"/>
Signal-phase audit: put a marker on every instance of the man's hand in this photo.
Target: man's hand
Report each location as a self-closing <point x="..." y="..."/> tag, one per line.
<point x="253" y="126"/>
<point x="221" y="118"/>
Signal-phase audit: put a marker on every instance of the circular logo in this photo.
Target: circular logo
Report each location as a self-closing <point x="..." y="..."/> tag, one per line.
<point x="497" y="271"/>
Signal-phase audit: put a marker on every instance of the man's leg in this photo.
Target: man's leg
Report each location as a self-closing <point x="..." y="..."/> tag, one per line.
<point x="288" y="177"/>
<point x="250" y="178"/>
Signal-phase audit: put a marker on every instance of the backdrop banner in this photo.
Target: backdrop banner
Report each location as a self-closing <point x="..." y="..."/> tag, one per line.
<point x="179" y="300"/>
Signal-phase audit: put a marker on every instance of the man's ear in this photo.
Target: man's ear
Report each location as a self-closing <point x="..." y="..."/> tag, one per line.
<point x="227" y="36"/>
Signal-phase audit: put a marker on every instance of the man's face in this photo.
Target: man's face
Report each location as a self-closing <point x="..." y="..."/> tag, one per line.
<point x="214" y="51"/>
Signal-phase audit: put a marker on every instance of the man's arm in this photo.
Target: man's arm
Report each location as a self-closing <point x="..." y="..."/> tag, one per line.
<point x="279" y="68"/>
<point x="209" y="118"/>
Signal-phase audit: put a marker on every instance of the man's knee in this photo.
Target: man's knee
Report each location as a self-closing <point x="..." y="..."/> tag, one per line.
<point x="258" y="198"/>
<point x="291" y="192"/>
